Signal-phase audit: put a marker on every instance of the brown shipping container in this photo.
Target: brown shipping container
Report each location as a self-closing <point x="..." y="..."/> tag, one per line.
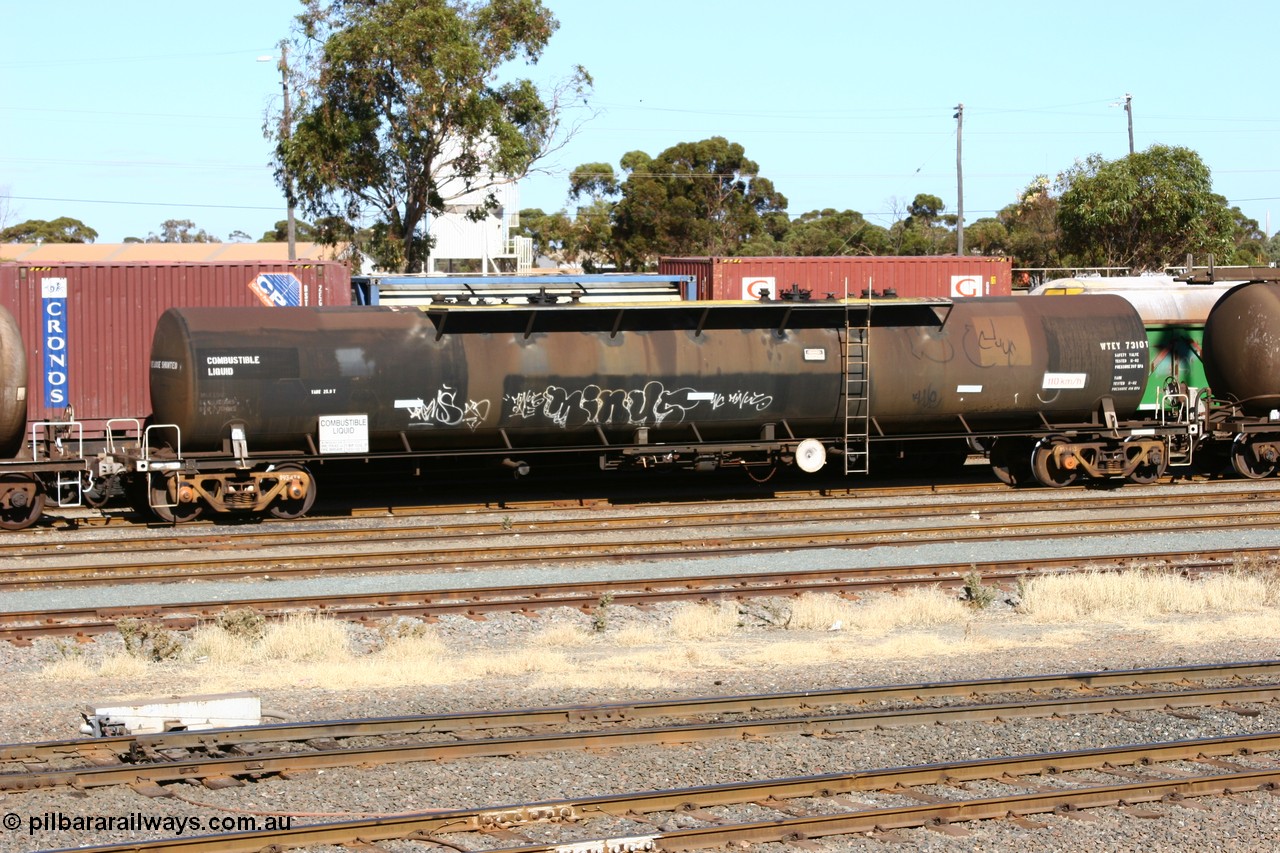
<point x="87" y="327"/>
<point x="909" y="277"/>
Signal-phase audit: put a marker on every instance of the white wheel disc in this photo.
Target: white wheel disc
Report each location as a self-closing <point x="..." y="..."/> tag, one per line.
<point x="811" y="455"/>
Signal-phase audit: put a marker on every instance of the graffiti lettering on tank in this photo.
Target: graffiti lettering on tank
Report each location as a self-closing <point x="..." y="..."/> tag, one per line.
<point x="997" y="342"/>
<point x="926" y="398"/>
<point x="652" y="404"/>
<point x="750" y="400"/>
<point x="926" y="347"/>
<point x="445" y="409"/>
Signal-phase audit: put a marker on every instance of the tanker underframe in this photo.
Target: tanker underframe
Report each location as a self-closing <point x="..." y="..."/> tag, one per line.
<point x="179" y="487"/>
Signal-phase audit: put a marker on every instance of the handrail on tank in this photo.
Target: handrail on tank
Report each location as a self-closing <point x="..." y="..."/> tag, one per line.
<point x="1173" y="408"/>
<point x="111" y="422"/>
<point x="35" y="442"/>
<point x="62" y="482"/>
<point x="146" y="442"/>
<point x="145" y="466"/>
<point x="1178" y="407"/>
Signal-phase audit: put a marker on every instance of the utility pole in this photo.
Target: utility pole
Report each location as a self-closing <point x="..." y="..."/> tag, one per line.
<point x="286" y="126"/>
<point x="959" y="117"/>
<point x="1128" y="108"/>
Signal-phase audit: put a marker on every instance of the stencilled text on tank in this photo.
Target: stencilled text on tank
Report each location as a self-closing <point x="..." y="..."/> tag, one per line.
<point x="213" y="404"/>
<point x="1130" y="364"/>
<point x="446" y="409"/>
<point x="651" y="404"/>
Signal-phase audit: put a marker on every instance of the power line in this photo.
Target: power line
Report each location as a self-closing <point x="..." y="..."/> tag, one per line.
<point x="145" y="203"/>
<point x="62" y="60"/>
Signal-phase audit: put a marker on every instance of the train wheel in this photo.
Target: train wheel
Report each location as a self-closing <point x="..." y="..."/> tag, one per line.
<point x="293" y="507"/>
<point x="92" y="492"/>
<point x="1149" y="472"/>
<point x="1245" y="460"/>
<point x="160" y="495"/>
<point x="1011" y="461"/>
<point x="1046" y="471"/>
<point x="24" y="503"/>
<point x="97" y="493"/>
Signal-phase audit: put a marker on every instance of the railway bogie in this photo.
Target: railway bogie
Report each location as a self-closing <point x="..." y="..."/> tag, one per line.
<point x="287" y="490"/>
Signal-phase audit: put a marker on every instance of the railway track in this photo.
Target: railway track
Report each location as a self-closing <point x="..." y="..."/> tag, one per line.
<point x="149" y="747"/>
<point x="780" y="809"/>
<point x="464" y="521"/>
<point x="157" y="759"/>
<point x="22" y="627"/>
<point x="488" y="543"/>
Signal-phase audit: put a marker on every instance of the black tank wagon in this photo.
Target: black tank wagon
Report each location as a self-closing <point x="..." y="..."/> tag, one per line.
<point x="247" y="399"/>
<point x="13" y="385"/>
<point x="1242" y="363"/>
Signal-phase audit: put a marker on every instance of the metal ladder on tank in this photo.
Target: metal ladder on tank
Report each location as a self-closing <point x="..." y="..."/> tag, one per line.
<point x="857" y="390"/>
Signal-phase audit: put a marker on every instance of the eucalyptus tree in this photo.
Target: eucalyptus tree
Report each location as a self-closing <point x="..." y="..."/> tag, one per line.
<point x="1144" y="211"/>
<point x="406" y="106"/>
<point x="834" y="232"/>
<point x="64" y="229"/>
<point x="694" y="198"/>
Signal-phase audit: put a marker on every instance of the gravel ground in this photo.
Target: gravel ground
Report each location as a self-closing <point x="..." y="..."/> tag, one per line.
<point x="48" y="684"/>
<point x="36" y="706"/>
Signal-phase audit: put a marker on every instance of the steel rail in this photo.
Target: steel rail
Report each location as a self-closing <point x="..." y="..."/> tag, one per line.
<point x="22" y="627"/>
<point x="485" y="819"/>
<point x="268" y="764"/>
<point x="482" y="556"/>
<point x="236" y="538"/>
<point x="619" y="712"/>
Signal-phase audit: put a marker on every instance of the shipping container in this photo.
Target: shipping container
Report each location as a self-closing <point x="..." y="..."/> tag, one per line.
<point x="564" y="288"/>
<point x="87" y="327"/>
<point x="835" y="277"/>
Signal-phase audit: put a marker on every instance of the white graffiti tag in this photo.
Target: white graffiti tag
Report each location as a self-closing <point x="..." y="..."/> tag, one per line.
<point x="445" y="409"/>
<point x="652" y="404"/>
<point x="750" y="400"/>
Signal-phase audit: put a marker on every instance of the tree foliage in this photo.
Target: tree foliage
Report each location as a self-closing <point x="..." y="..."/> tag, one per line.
<point x="830" y="232"/>
<point x="1248" y="242"/>
<point x="181" y="231"/>
<point x="695" y="198"/>
<point x="1031" y="225"/>
<point x="329" y="230"/>
<point x="404" y="109"/>
<point x="64" y="229"/>
<point x="1144" y="211"/>
<point x="552" y="234"/>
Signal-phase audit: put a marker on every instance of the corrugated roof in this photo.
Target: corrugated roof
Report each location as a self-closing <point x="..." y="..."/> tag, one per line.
<point x="35" y="253"/>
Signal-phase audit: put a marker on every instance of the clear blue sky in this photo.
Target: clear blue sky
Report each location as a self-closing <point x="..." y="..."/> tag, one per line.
<point x="124" y="115"/>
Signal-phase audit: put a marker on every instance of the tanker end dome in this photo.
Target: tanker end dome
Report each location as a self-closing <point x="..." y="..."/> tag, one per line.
<point x="1242" y="347"/>
<point x="1007" y="362"/>
<point x="172" y="371"/>
<point x="13" y="386"/>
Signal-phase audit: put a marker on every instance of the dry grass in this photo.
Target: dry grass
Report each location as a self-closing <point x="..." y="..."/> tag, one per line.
<point x="1057" y="612"/>
<point x="925" y="608"/>
<point x="563" y="637"/>
<point x="305" y="637"/>
<point x="705" y="621"/>
<point x="1144" y="594"/>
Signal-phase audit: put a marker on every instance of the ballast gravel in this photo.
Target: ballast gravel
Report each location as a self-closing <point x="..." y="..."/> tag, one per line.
<point x="36" y="704"/>
<point x="33" y="708"/>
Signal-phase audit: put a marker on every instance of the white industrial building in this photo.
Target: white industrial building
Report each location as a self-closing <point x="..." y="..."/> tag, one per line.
<point x="488" y="241"/>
